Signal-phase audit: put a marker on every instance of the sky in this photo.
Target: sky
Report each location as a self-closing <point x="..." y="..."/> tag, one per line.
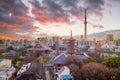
<point x="29" y="19"/>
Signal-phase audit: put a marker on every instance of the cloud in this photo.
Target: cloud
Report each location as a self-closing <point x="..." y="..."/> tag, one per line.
<point x="54" y="9"/>
<point x="95" y="7"/>
<point x="51" y="10"/>
<point x="23" y="17"/>
<point x="14" y="25"/>
<point x="108" y="5"/>
<point x="15" y="15"/>
<point x="98" y="26"/>
<point x="18" y="20"/>
<point x="110" y="12"/>
<point x="116" y="0"/>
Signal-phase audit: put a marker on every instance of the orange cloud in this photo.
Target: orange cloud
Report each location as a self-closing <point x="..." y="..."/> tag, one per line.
<point x="106" y="6"/>
<point x="11" y="37"/>
<point x="23" y="17"/>
<point x="99" y="14"/>
<point x="14" y="25"/>
<point x="45" y="19"/>
<point x="62" y="19"/>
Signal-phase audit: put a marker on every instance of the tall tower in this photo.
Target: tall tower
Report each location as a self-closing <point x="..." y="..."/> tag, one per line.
<point x="85" y="29"/>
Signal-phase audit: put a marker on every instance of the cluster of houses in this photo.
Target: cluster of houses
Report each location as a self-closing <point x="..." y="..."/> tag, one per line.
<point x="36" y="51"/>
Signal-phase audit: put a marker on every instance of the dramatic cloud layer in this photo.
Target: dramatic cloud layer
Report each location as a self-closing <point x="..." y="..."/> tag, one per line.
<point x="18" y="16"/>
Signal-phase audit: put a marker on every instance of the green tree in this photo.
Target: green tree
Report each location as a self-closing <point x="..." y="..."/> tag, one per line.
<point x="90" y="59"/>
<point x="118" y="53"/>
<point x="112" y="61"/>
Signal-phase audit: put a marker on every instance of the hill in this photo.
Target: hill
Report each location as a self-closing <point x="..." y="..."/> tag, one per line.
<point x="102" y="35"/>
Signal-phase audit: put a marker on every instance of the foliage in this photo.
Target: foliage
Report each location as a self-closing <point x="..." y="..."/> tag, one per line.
<point x="71" y="59"/>
<point x="75" y="71"/>
<point x="118" y="53"/>
<point x="46" y="59"/>
<point x="19" y="64"/>
<point x="75" y="65"/>
<point x="9" y="57"/>
<point x="113" y="74"/>
<point x="90" y="59"/>
<point x="94" y="71"/>
<point x="112" y="61"/>
<point x="2" y="47"/>
<point x="2" y="51"/>
<point x="96" y="56"/>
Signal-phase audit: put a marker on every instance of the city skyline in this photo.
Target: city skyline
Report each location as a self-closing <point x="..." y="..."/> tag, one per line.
<point x="30" y="18"/>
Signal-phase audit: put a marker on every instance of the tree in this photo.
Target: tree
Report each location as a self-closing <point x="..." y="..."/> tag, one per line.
<point x="112" y="61"/>
<point x="94" y="71"/>
<point x="75" y="71"/>
<point x="75" y="65"/>
<point x="118" y="53"/>
<point x="114" y="73"/>
<point x="90" y="59"/>
<point x="71" y="59"/>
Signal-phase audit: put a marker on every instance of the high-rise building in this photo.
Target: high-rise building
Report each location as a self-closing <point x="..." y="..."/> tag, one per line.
<point x="118" y="42"/>
<point x="54" y="38"/>
<point x="109" y="37"/>
<point x="81" y="37"/>
<point x="98" y="46"/>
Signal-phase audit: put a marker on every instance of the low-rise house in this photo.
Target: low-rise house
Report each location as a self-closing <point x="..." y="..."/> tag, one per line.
<point x="64" y="74"/>
<point x="33" y="70"/>
<point x="6" y="69"/>
<point x="39" y="49"/>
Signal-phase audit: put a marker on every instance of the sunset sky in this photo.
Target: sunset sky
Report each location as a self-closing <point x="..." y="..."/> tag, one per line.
<point x="32" y="18"/>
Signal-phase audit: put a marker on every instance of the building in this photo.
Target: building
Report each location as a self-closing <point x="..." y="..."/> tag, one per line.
<point x="54" y="39"/>
<point x="71" y="52"/>
<point x="71" y="45"/>
<point x="39" y="50"/>
<point x="98" y="46"/>
<point x="118" y="42"/>
<point x="81" y="37"/>
<point x="29" y="71"/>
<point x="1" y="44"/>
<point x="64" y="74"/>
<point x="109" y="37"/>
<point x="43" y="39"/>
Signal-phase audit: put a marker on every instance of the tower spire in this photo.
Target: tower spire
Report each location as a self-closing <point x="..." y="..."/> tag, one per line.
<point x="71" y="33"/>
<point x="85" y="31"/>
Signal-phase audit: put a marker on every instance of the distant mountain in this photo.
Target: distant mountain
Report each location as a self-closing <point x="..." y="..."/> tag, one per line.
<point x="102" y="35"/>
